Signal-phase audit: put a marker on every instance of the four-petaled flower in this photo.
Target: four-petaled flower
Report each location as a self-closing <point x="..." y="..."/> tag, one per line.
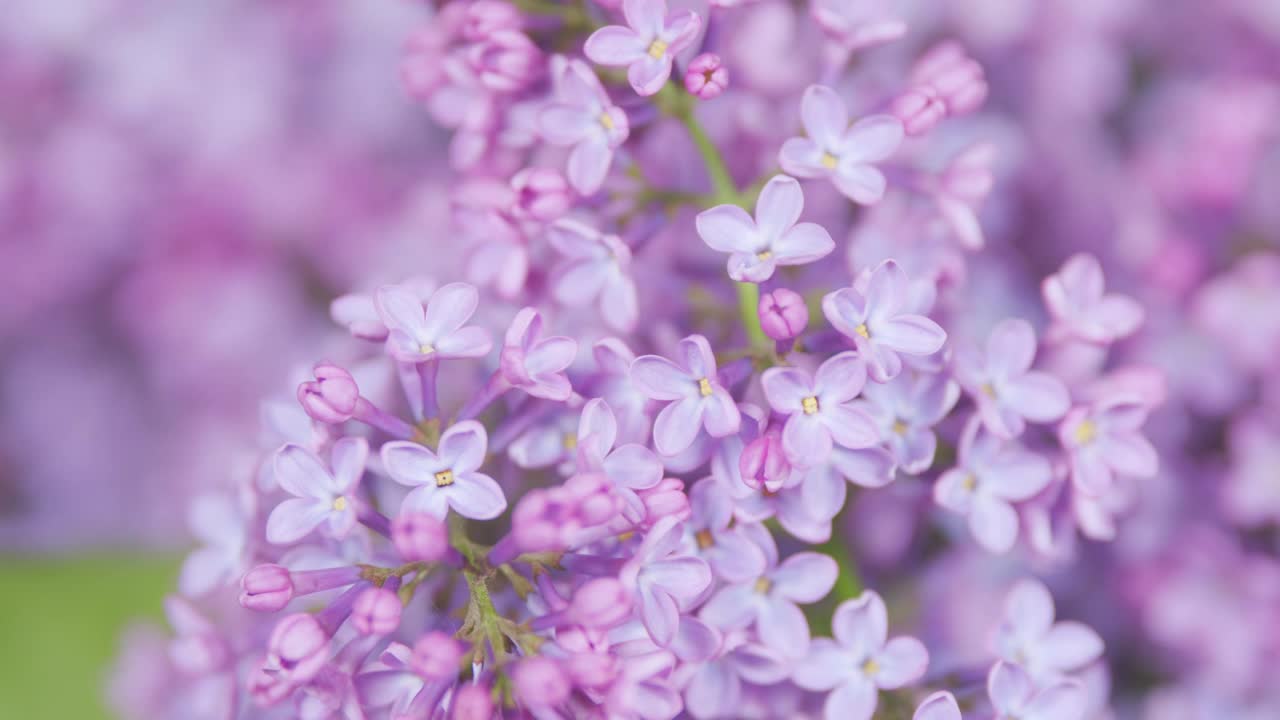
<point x="905" y="409"/>
<point x="583" y="117"/>
<point x="1081" y="310"/>
<point x="1106" y="440"/>
<point x="447" y="478"/>
<point x="837" y="151"/>
<point x="647" y="47"/>
<point x="861" y="660"/>
<point x="1007" y="391"/>
<point x="722" y="544"/>
<point x="818" y="410"/>
<point x="759" y="246"/>
<point x="694" y="396"/>
<point x="319" y="495"/>
<point x="665" y="582"/>
<point x="629" y="467"/>
<point x="1015" y="697"/>
<point x="536" y="364"/>
<point x="596" y="273"/>
<point x="877" y="320"/>
<point x="1028" y="636"/>
<point x="416" y="334"/>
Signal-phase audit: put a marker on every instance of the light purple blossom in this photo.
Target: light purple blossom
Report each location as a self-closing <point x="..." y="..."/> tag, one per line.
<point x="960" y="188"/>
<point x="716" y="688"/>
<point x="878" y="321"/>
<point x="1028" y="636"/>
<point x="905" y="409"/>
<point x="630" y="467"/>
<point x="938" y="706"/>
<point x="824" y="487"/>
<point x="769" y="602"/>
<point x="536" y="364"/>
<point x="991" y="475"/>
<point x="1249" y="495"/>
<point x="440" y="330"/>
<point x="857" y="24"/>
<point x="772" y="239"/>
<point x="1014" y="696"/>
<point x="1007" y="391"/>
<point x="647" y="46"/>
<point x="447" y="478"/>
<point x="726" y="547"/>
<point x="836" y="151"/>
<point x="582" y="117"/>
<point x="818" y="409"/>
<point x="665" y="581"/>
<point x="1105" y="440"/>
<point x="222" y="523"/>
<point x="1081" y="310"/>
<point x="320" y="496"/>
<point x="596" y="272"/>
<point x="694" y="396"/>
<point x="861" y="660"/>
<point x="358" y="312"/>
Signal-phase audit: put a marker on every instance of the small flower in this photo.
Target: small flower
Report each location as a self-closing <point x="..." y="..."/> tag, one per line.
<point x="857" y="24"/>
<point x="824" y="488"/>
<point x="1014" y="696"/>
<point x="818" y="410"/>
<point x="541" y="194"/>
<point x="860" y="661"/>
<point x="1001" y="382"/>
<point x="725" y="547"/>
<point x="905" y="409"/>
<point x="583" y="117"/>
<point x="222" y="524"/>
<point x="648" y="46"/>
<point x="358" y="312"/>
<point x="1106" y="440"/>
<point x="839" y="152"/>
<point x="944" y="82"/>
<point x="447" y="479"/>
<point x="692" y="392"/>
<point x="1028" y="636"/>
<point x="319" y="495"/>
<point x="596" y="273"/>
<point x="783" y="314"/>
<point x="505" y="61"/>
<point x="769" y="601"/>
<point x="757" y="247"/>
<point x="1075" y="297"/>
<point x="992" y="474"/>
<point x="629" y="467"/>
<point x="417" y="334"/>
<point x="536" y="364"/>
<point x="664" y="581"/>
<point x="941" y="705"/>
<point x="706" y="77"/>
<point x="877" y="321"/>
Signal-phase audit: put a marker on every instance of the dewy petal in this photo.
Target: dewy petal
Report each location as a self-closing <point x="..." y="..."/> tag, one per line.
<point x="911" y="334"/>
<point x="449" y="309"/>
<point x="939" y="706"/>
<point x="862" y="184"/>
<point x="871" y="139"/>
<point x="299" y="472"/>
<point x="615" y="46"/>
<point x="463" y="446"/>
<point x="727" y="228"/>
<point x="783" y="628"/>
<point x="786" y="388"/>
<point x="861" y="625"/>
<point x="292" y="519"/>
<point x="855" y="699"/>
<point x="476" y="496"/>
<point x="1011" y="348"/>
<point x="409" y="463"/>
<point x="806" y="440"/>
<point x="677" y="425"/>
<point x="779" y="206"/>
<point x="840" y="378"/>
<point x="589" y="162"/>
<point x="994" y="523"/>
<point x="802" y="157"/>
<point x="1069" y="646"/>
<point x="648" y="74"/>
<point x="850" y="426"/>
<point x="902" y="662"/>
<point x="802" y="244"/>
<point x="658" y="378"/>
<point x="824" y="115"/>
<point x="400" y="309"/>
<point x="1037" y="396"/>
<point x="1009" y="687"/>
<point x="646" y="17"/>
<point x="805" y="577"/>
<point x="825" y="666"/>
<point x="349" y="457"/>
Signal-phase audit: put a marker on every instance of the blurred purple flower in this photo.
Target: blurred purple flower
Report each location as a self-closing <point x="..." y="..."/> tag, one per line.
<point x="839" y="152"/>
<point x="648" y="44"/>
<point x="1007" y="391"/>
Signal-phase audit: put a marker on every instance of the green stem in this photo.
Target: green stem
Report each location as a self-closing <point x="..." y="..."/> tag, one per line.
<point x="749" y="311"/>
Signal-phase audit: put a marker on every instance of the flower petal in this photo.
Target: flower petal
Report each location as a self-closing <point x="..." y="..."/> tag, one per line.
<point x="779" y="206"/>
<point x="803" y="244"/>
<point x="902" y="662"/>
<point x="806" y="440"/>
<point x="349" y="457"/>
<point x="855" y="699"/>
<point x="727" y="228"/>
<point x="292" y="519"/>
<point x="805" y="577"/>
<point x="449" y="309"/>
<point x="824" y="667"/>
<point x="589" y="162"/>
<point x="824" y="116"/>
<point x="938" y="706"/>
<point x="1009" y="687"/>
<point x="862" y="184"/>
<point x="1037" y="396"/>
<point x="476" y="496"/>
<point x="861" y="625"/>
<point x="615" y="46"/>
<point x="645" y="16"/>
<point x="871" y="139"/>
<point x="850" y="426"/>
<point x="840" y="379"/>
<point x="409" y="463"/>
<point x="463" y="446"/>
<point x="994" y="523"/>
<point x="911" y="334"/>
<point x="400" y="309"/>
<point x="733" y="607"/>
<point x="1011" y="348"/>
<point x="677" y="425"/>
<point x="1070" y="646"/>
<point x="648" y="74"/>
<point x="299" y="472"/>
<point x="783" y="628"/>
<point x="660" y="379"/>
<point x="802" y="158"/>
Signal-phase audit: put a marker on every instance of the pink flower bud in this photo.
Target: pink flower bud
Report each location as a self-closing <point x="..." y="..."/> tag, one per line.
<point x="920" y="109"/>
<point x="266" y="588"/>
<point x="666" y="499"/>
<point x="541" y="194"/>
<point x="436" y="656"/>
<point x="472" y="702"/>
<point x="483" y="18"/>
<point x="506" y="61"/>
<point x="540" y="682"/>
<point x="601" y="603"/>
<point x="332" y="396"/>
<point x="376" y="611"/>
<point x="706" y="77"/>
<point x="299" y="646"/>
<point x="764" y="463"/>
<point x="419" y="537"/>
<point x="783" y="314"/>
<point x="957" y="79"/>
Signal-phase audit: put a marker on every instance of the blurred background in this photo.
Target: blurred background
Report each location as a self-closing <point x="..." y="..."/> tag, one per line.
<point x="185" y="186"/>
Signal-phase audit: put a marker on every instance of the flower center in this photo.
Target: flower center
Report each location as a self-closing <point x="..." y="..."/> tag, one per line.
<point x="863" y="331"/>
<point x="899" y="427"/>
<point x="830" y="161"/>
<point x="657" y="49"/>
<point x="704" y="387"/>
<point x="426" y="349"/>
<point x="340" y="503"/>
<point x="988" y="389"/>
<point x="762" y="585"/>
<point x="444" y="478"/>
<point x="969" y="482"/>
<point x="704" y="539"/>
<point x="809" y="405"/>
<point x="870" y="667"/>
<point x="764" y="254"/>
<point x="606" y="121"/>
<point x="1085" y="432"/>
<point x="570" y="441"/>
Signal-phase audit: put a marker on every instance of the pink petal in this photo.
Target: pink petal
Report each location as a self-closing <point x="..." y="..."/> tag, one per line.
<point x="400" y="309"/>
<point x="727" y="228"/>
<point x="802" y="244"/>
<point x="1070" y="645"/>
<point x="778" y="207"/>
<point x="645" y="16"/>
<point x="805" y="577"/>
<point x="579" y="282"/>
<point x="733" y="607"/>
<point x="1011" y="348"/>
<point x="618" y="304"/>
<point x="469" y="342"/>
<point x="824" y="115"/>
<point x="861" y="625"/>
<point x="963" y="221"/>
<point x="299" y="472"/>
<point x="426" y="498"/>
<point x="845" y="309"/>
<point x="824" y="491"/>
<point x="720" y="414"/>
<point x="1028" y="610"/>
<point x="565" y="124"/>
<point x="911" y="334"/>
<point x="552" y="355"/>
<point x="938" y="706"/>
<point x="698" y="359"/>
<point x="659" y="614"/>
<point x="850" y="427"/>
<point x="869" y="467"/>
<point x="785" y="388"/>
<point x="475" y="496"/>
<point x="1017" y="475"/>
<point x="680" y="30"/>
<point x="615" y="46"/>
<point x="677" y="425"/>
<point x="951" y="491"/>
<point x="634" y="466"/>
<point x="1009" y="687"/>
<point x="349" y="457"/>
<point x="714" y="686"/>
<point x="449" y="309"/>
<point x="1120" y="316"/>
<point x="733" y="558"/>
<point x="1129" y="454"/>
<point x="1061" y="701"/>
<point x="599" y="422"/>
<point x="840" y="379"/>
<point x="806" y="440"/>
<point x="902" y="662"/>
<point x="1037" y="396"/>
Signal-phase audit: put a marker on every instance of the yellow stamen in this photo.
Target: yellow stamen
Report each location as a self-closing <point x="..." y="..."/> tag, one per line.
<point x="969" y="482"/>
<point x="444" y="478"/>
<point x="764" y="255"/>
<point x="899" y="427"/>
<point x="988" y="389"/>
<point x="426" y="349"/>
<point x="762" y="585"/>
<point x="606" y="121"/>
<point x="870" y="667"/>
<point x="340" y="503"/>
<point x="809" y="405"/>
<point x="863" y="331"/>
<point x="704" y="539"/>
<point x="830" y="161"/>
<point x="623" y="537"/>
<point x="704" y="387"/>
<point x="1085" y="432"/>
<point x="657" y="49"/>
<point x="570" y="441"/>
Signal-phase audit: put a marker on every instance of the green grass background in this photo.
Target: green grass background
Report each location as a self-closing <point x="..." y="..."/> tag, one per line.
<point x="60" y="625"/>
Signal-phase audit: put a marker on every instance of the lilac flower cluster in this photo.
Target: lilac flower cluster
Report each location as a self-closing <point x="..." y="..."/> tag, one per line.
<point x="642" y="517"/>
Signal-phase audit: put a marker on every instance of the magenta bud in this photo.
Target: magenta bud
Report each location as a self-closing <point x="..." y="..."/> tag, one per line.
<point x="666" y="499"/>
<point x="764" y="463"/>
<point x="419" y="537"/>
<point x="472" y="702"/>
<point x="482" y="18"/>
<point x="601" y="603"/>
<point x="706" y="77"/>
<point x="436" y="656"/>
<point x="541" y="194"/>
<point x="376" y="611"/>
<point x="266" y="588"/>
<point x="300" y="645"/>
<point x="330" y="398"/>
<point x="783" y="314"/>
<point x="919" y="109"/>
<point x="540" y="682"/>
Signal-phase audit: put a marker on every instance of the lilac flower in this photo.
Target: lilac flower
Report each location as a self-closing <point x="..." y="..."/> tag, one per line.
<point x="716" y="688"/>
<point x="613" y="383"/>
<point x="223" y="526"/>
<point x="938" y="706"/>
<point x="1105" y="440"/>
<point x="839" y="152"/>
<point x="1014" y="696"/>
<point x="818" y="411"/>
<point x="783" y="314"/>
<point x="727" y="548"/>
<point x="905" y="409"/>
<point x="416" y="335"/>
<point x="1249" y="496"/>
<point x="769" y="602"/>
<point x="1028" y="636"/>
<point x="447" y="478"/>
<point x="648" y="46"/>
<point x="630" y="467"/>
<point x="664" y="581"/>
<point x="1007" y="391"/>
<point x="692" y="392"/>
<point x="583" y="117"/>
<point x="879" y="324"/>
<point x="551" y="441"/>
<point x="536" y="364"/>
<point x="861" y="660"/>
<point x="320" y="496"/>
<point x="824" y="489"/>
<point x="758" y="247"/>
<point x="960" y="188"/>
<point x="991" y="475"/>
<point x="790" y="507"/>
<point x="1076" y="299"/>
<point x="358" y="312"/>
<point x="596" y="273"/>
<point x="857" y="24"/>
